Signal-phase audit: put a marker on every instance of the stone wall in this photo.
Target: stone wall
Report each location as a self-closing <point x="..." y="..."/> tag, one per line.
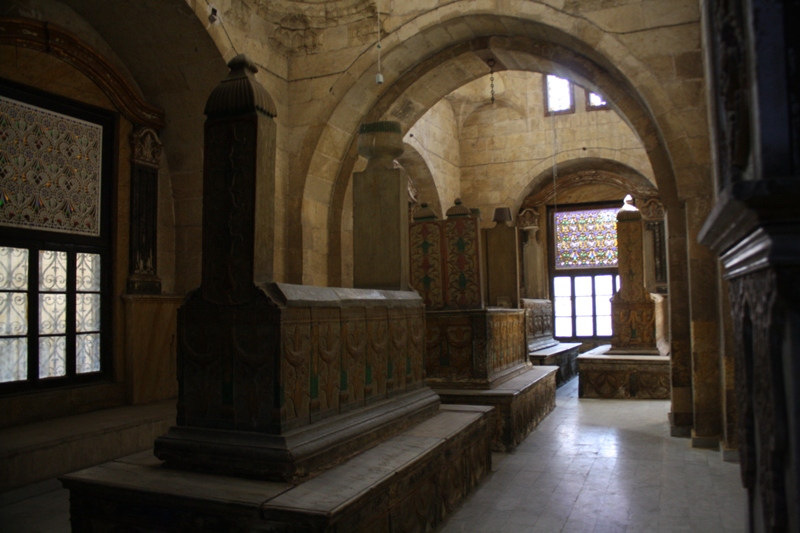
<point x="436" y="138"/>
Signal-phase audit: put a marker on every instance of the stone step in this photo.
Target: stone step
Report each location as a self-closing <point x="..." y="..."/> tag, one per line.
<point x="415" y="478"/>
<point x="42" y="450"/>
<point x="520" y="403"/>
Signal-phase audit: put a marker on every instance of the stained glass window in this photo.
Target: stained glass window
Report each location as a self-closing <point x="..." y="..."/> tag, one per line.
<point x="50" y="170"/>
<point x="586" y="239"/>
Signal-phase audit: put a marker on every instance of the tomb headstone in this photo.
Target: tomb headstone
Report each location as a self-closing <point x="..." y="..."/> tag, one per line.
<point x="633" y="309"/>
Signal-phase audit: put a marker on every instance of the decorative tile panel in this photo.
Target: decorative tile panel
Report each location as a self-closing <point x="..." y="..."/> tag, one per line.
<point x="425" y="244"/>
<point x="50" y="170"/>
<point x="462" y="267"/>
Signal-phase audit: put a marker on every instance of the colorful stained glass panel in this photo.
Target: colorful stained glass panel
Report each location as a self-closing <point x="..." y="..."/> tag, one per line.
<point x="50" y="170"/>
<point x="586" y="239"/>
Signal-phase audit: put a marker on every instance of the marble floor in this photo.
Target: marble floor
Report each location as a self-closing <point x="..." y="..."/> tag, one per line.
<point x="603" y="466"/>
<point x="591" y="466"/>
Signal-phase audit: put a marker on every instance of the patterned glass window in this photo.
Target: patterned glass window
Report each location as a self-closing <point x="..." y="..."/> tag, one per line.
<point x="50" y="170"/>
<point x="46" y="324"/>
<point x="13" y="314"/>
<point x="55" y="163"/>
<point x="586" y="239"/>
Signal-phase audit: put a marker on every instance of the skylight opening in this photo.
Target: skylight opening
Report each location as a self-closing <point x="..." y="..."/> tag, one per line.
<point x="559" y="95"/>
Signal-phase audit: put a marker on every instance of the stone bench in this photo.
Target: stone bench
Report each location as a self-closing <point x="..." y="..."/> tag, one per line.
<point x="409" y="482"/>
<point x="42" y="450"/>
<point x="563" y="355"/>
<point x="478" y="357"/>
<point x="519" y="404"/>
<point x="623" y="376"/>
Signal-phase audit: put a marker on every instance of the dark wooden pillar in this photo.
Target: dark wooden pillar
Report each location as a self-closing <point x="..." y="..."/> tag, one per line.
<point x="145" y="160"/>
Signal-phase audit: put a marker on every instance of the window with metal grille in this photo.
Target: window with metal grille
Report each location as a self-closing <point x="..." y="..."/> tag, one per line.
<point x="56" y="159"/>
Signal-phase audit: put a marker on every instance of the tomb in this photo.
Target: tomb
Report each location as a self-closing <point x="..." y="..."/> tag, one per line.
<point x="299" y="407"/>
<point x="543" y="349"/>
<point x="636" y="363"/>
<point x="474" y="354"/>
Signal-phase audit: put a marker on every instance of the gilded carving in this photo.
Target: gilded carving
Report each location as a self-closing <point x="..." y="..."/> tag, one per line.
<point x="652" y="209"/>
<point x="633" y="324"/>
<point x="538" y="323"/>
<point x="145" y="147"/>
<point x="528" y="218"/>
<point x="506" y="333"/>
<point x="624" y="381"/>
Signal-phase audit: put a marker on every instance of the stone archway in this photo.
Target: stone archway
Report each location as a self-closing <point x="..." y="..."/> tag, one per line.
<point x="447" y="47"/>
<point x="585" y="172"/>
<point x="414" y="163"/>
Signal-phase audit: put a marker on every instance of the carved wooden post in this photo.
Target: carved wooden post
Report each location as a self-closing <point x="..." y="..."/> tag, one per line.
<point x="145" y="161"/>
<point x="653" y="216"/>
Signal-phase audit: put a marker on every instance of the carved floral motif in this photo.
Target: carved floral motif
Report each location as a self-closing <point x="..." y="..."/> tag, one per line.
<point x="759" y="371"/>
<point x="145" y="147"/>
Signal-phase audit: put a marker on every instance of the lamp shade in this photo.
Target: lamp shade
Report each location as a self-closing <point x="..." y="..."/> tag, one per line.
<point x="502" y="214"/>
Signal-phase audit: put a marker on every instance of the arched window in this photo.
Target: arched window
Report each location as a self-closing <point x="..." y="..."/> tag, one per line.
<point x="56" y="162"/>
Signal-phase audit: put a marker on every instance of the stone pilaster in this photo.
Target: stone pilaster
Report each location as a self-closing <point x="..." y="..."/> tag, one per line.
<point x="380" y="211"/>
<point x="143" y="243"/>
<point x="632" y="308"/>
